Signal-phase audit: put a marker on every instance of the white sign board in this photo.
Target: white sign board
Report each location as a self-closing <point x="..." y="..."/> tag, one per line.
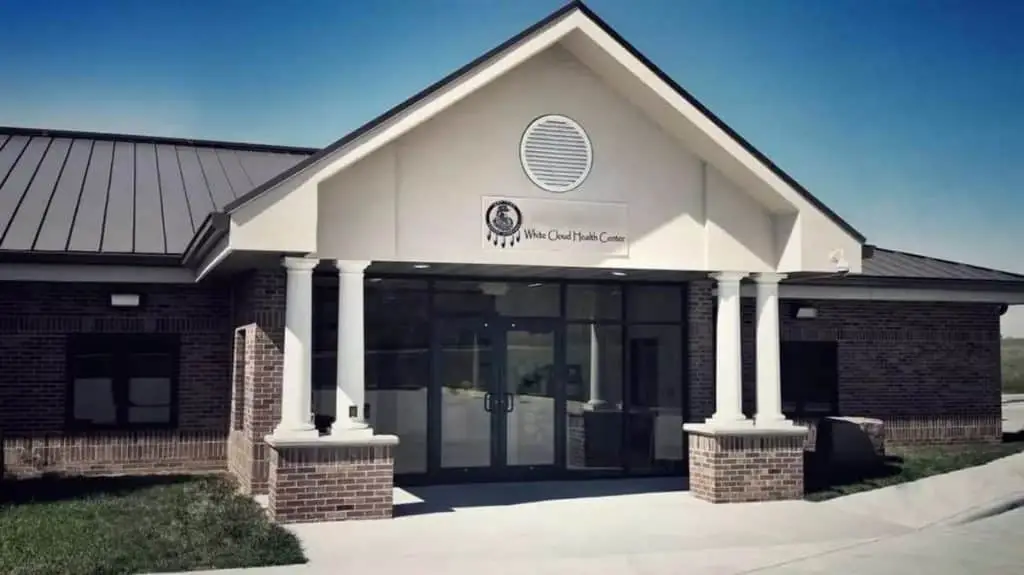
<point x="554" y="225"/>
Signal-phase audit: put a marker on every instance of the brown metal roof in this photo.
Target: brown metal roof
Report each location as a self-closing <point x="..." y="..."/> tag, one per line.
<point x="91" y="193"/>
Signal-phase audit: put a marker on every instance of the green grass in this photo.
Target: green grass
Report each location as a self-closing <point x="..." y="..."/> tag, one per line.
<point x="823" y="482"/>
<point x="107" y="526"/>
<point x="1013" y="365"/>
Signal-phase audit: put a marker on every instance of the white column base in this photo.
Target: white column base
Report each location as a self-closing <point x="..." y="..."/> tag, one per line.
<point x="773" y="421"/>
<point x="734" y="422"/>
<point x="349" y="429"/>
<point x="295" y="432"/>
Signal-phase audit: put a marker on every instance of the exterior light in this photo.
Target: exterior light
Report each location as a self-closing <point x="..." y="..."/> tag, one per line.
<point x="806" y="312"/>
<point x="619" y="274"/>
<point x="421" y="266"/>
<point x="125" y="300"/>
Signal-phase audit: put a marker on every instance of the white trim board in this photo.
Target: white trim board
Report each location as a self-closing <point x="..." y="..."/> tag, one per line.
<point x="889" y="294"/>
<point x="95" y="274"/>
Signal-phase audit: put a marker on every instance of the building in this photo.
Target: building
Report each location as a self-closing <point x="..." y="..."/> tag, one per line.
<point x="548" y="264"/>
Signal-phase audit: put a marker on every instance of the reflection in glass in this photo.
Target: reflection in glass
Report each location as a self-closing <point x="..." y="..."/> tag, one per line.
<point x="593" y="302"/>
<point x="466" y="371"/>
<point x="510" y="299"/>
<point x="654" y="436"/>
<point x="594" y="396"/>
<point x="530" y="405"/>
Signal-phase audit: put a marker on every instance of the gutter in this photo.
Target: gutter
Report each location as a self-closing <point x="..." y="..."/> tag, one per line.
<point x="213" y="229"/>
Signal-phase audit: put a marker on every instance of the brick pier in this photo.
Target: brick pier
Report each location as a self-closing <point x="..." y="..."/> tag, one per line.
<point x="735" y="466"/>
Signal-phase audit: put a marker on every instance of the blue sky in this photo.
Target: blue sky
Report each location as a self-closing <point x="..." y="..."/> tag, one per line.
<point x="903" y="116"/>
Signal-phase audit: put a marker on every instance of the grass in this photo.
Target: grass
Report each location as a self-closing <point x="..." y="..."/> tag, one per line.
<point x="823" y="482"/>
<point x="1013" y="365"/>
<point x="108" y="526"/>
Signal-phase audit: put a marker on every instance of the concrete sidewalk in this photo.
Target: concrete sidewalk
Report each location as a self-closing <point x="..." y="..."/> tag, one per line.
<point x="942" y="499"/>
<point x="652" y="526"/>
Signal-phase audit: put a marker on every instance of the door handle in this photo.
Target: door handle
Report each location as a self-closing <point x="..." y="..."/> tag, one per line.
<point x="488" y="399"/>
<point x="510" y="402"/>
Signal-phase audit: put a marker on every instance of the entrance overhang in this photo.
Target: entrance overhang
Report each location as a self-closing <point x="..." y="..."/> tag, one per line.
<point x="284" y="215"/>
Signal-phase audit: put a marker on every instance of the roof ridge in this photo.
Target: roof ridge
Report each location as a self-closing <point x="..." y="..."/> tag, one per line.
<point x="949" y="262"/>
<point x="147" y="139"/>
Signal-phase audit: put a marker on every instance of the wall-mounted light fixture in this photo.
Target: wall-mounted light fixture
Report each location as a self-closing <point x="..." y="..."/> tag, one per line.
<point x="125" y="300"/>
<point x="804" y="311"/>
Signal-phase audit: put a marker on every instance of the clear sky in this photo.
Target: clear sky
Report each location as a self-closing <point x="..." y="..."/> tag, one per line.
<point x="903" y="116"/>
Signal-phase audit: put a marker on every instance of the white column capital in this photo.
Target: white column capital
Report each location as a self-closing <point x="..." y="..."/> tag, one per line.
<point x="351" y="266"/>
<point x="728" y="277"/>
<point x="299" y="263"/>
<point x="768" y="278"/>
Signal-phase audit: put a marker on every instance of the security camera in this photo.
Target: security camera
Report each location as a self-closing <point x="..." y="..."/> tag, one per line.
<point x="839" y="261"/>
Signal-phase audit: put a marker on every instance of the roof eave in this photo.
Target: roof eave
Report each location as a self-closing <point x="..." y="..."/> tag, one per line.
<point x="213" y="229"/>
<point x="859" y="280"/>
<point x="91" y="258"/>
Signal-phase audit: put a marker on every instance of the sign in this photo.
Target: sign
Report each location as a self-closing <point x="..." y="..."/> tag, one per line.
<point x="554" y="225"/>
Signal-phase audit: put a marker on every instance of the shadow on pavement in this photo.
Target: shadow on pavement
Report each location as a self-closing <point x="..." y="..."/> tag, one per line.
<point x="448" y="498"/>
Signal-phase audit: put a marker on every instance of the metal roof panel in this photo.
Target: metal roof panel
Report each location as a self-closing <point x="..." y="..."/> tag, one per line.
<point x="56" y="225"/>
<point x="27" y="219"/>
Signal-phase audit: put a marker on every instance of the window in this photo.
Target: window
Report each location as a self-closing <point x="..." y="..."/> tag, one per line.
<point x="810" y="377"/>
<point x="122" y="381"/>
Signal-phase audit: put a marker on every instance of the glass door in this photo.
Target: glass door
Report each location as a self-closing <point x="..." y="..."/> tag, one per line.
<point x="499" y="399"/>
<point x="530" y="400"/>
<point x="469" y="359"/>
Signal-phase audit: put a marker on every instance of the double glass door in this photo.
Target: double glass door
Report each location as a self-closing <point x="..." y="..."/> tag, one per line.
<point x="500" y="396"/>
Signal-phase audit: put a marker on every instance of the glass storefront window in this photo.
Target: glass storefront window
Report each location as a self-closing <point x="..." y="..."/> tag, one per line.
<point x="654" y="303"/>
<point x="593" y="302"/>
<point x="397" y="339"/>
<point x="655" y="382"/>
<point x="509" y="299"/>
<point x="594" y="415"/>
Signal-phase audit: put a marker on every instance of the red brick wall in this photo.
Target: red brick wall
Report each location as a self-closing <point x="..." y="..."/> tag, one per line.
<point x="35" y="320"/>
<point x="331" y="483"/>
<point x="930" y="370"/>
<point x="701" y="350"/>
<point x="259" y="299"/>
<point x="737" y="468"/>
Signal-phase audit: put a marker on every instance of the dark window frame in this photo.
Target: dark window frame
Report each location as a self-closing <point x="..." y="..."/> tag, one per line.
<point x="121" y="347"/>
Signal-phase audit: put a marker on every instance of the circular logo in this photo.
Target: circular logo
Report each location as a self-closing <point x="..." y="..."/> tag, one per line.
<point x="504" y="221"/>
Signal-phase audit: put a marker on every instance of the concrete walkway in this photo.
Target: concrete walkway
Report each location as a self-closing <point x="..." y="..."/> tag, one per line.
<point x="654" y="526"/>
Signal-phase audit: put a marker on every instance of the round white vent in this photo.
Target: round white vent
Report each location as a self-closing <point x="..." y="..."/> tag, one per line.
<point x="556" y="153"/>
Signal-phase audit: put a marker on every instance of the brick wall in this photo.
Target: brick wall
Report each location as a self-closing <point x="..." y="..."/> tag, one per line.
<point x="739" y="468"/>
<point x="930" y="370"/>
<point x="259" y="304"/>
<point x="701" y="350"/>
<point x="331" y="483"/>
<point x="35" y="320"/>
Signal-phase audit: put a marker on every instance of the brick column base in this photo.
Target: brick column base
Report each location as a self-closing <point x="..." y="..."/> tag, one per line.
<point x="744" y="465"/>
<point x="328" y="479"/>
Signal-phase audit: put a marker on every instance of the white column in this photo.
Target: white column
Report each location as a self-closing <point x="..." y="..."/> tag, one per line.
<point x="296" y="388"/>
<point x="351" y="390"/>
<point x="728" y="361"/>
<point x="769" y="373"/>
<point x="595" y="369"/>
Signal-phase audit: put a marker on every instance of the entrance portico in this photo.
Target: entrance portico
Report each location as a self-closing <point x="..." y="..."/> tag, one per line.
<point x="562" y="153"/>
<point x="497" y="446"/>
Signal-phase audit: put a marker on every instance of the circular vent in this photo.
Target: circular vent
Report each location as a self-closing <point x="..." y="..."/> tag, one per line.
<point x="556" y="153"/>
